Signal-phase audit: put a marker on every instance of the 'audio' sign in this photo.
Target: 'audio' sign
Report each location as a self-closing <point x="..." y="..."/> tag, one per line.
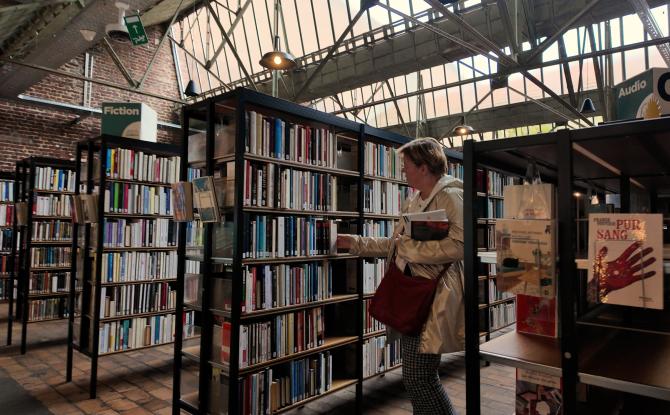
<point x="646" y="95"/>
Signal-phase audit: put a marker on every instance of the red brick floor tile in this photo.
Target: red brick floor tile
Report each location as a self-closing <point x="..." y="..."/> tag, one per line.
<point x="122" y="404"/>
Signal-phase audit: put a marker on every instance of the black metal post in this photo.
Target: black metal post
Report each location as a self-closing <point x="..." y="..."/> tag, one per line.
<point x="624" y="189"/>
<point x="472" y="391"/>
<point x="73" y="273"/>
<point x="12" y="263"/>
<point x="567" y="270"/>
<point x="360" y="267"/>
<point x="25" y="275"/>
<point x="181" y="267"/>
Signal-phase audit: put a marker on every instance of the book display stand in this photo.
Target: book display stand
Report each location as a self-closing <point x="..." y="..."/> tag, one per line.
<point x="606" y="346"/>
<point x="124" y="253"/>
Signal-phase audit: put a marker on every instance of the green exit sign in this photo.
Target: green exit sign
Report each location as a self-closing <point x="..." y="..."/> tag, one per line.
<point x="136" y="30"/>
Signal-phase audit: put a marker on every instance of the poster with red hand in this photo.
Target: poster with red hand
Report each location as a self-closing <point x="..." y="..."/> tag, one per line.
<point x="626" y="259"/>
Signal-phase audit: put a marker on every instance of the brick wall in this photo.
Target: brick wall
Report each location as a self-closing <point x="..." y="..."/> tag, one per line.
<point x="27" y="130"/>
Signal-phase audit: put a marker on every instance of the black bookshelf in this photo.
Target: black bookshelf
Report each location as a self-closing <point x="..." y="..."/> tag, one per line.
<point x="344" y="339"/>
<point x="615" y="348"/>
<point x="88" y="246"/>
<point x="27" y="192"/>
<point x="8" y="275"/>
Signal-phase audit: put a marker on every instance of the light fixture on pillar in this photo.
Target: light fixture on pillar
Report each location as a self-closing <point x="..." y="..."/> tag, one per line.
<point x="587" y="107"/>
<point x="462" y="129"/>
<point x="277" y="59"/>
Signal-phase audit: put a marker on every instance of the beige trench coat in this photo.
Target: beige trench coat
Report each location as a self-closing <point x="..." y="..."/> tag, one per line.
<point x="444" y="331"/>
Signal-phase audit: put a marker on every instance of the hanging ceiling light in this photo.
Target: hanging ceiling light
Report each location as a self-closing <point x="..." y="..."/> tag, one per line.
<point x="191" y="89"/>
<point x="462" y="129"/>
<point x="278" y="60"/>
<point x="587" y="107"/>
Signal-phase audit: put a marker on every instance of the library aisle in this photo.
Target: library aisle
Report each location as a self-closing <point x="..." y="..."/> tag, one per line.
<point x="139" y="383"/>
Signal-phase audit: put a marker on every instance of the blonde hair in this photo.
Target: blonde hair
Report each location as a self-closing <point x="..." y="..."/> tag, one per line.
<point x="426" y="151"/>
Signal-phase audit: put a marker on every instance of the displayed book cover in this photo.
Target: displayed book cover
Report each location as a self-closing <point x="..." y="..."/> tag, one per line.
<point x="626" y="259"/>
<point x="538" y="393"/>
<point x="77" y="209"/>
<point x="204" y="199"/>
<point x="89" y="207"/>
<point x="21" y="209"/>
<point x="182" y="193"/>
<point x="429" y="230"/>
<point x="536" y="315"/>
<point x="526" y="252"/>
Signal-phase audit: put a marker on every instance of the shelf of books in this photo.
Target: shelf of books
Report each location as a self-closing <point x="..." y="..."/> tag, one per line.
<point x="7" y="248"/>
<point x="124" y="253"/>
<point x="44" y="230"/>
<point x="273" y="315"/>
<point x="497" y="307"/>
<point x="601" y="321"/>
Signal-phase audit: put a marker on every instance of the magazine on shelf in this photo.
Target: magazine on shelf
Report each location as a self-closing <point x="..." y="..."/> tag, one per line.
<point x="526" y="256"/>
<point x="626" y="259"/>
<point x="183" y="201"/>
<point x="89" y="207"/>
<point x="538" y="393"/>
<point x="77" y="209"/>
<point x="536" y="315"/>
<point x="204" y="199"/>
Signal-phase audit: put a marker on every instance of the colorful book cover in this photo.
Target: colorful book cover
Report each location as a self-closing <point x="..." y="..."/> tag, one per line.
<point x="204" y="199"/>
<point x="183" y="201"/>
<point x="526" y="252"/>
<point x="626" y="259"/>
<point x="536" y="315"/>
<point x="538" y="393"/>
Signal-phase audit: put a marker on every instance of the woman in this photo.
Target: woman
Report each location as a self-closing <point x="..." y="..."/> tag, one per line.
<point x="425" y="167"/>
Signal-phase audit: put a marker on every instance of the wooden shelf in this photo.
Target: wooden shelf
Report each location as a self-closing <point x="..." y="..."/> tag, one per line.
<point x="384" y="179"/>
<point x="496" y="302"/>
<point x="328" y="344"/>
<point x="5" y="202"/>
<point x="523" y="351"/>
<point x="281" y="260"/>
<point x="380" y="216"/>
<point x="45" y="320"/>
<point x="133" y="181"/>
<point x="630" y="362"/>
<point x="301" y="165"/>
<point x="47" y="217"/>
<point x="111" y="284"/>
<point x="53" y="192"/>
<point x="137" y="315"/>
<point x="139" y="249"/>
<point x="495" y="197"/>
<point x="292" y="212"/>
<point x="374" y="334"/>
<point x="278" y="310"/>
<point x="382" y="373"/>
<point x="48" y="243"/>
<point x="337" y="385"/>
<point x="135" y="349"/>
<point x="47" y="295"/>
<point x="136" y="215"/>
<point x="58" y="268"/>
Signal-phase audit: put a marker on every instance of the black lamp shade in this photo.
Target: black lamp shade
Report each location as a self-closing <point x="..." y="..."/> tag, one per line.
<point x="278" y="60"/>
<point x="587" y="107"/>
<point x="191" y="89"/>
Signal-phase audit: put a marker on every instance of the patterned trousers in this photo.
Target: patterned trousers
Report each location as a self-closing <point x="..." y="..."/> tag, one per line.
<point x="422" y="381"/>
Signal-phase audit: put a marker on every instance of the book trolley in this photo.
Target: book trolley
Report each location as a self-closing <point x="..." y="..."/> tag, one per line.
<point x="44" y="185"/>
<point x="268" y="324"/>
<point x="612" y="349"/>
<point x="7" y="246"/>
<point x="124" y="254"/>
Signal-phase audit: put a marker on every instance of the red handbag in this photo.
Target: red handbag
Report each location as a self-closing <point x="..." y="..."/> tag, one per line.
<point x="402" y="302"/>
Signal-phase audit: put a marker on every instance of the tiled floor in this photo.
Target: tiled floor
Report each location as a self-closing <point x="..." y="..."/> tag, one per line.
<point x="141" y="382"/>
